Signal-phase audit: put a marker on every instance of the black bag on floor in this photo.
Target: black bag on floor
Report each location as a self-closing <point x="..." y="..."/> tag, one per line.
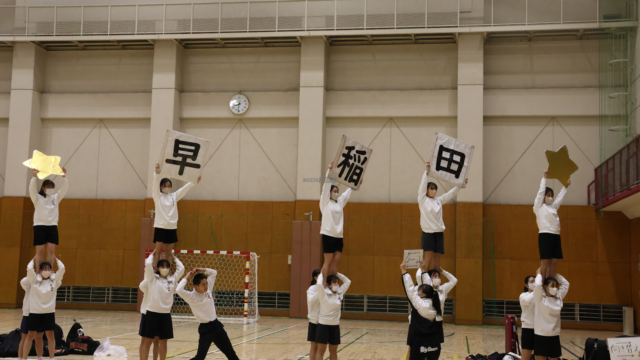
<point x="10" y="344"/>
<point x="595" y="349"/>
<point x="61" y="347"/>
<point x="78" y="343"/>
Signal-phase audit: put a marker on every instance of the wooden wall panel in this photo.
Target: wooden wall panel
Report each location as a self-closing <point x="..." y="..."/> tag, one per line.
<point x="519" y="269"/>
<point x="11" y="221"/>
<point x="111" y="267"/>
<point x="361" y="270"/>
<point x="361" y="219"/>
<point x="87" y="267"/>
<point x="114" y="224"/>
<point x="68" y="223"/>
<point x="281" y="228"/>
<point x="469" y="291"/>
<point x="449" y="218"/>
<point x="613" y="241"/>
<point x="11" y="270"/>
<point x="68" y="258"/>
<point x="259" y="223"/>
<point x="188" y="225"/>
<point x="280" y="272"/>
<point x="411" y="230"/>
<point x="496" y="279"/>
<point x="130" y="267"/>
<point x="234" y="226"/>
<point x="614" y="283"/>
<point x="387" y="276"/>
<point x="90" y="214"/>
<point x="306" y="206"/>
<point x="388" y="229"/>
<point x="264" y="273"/>
<point x="583" y="280"/>
<point x="634" y="234"/>
<point x="209" y="227"/>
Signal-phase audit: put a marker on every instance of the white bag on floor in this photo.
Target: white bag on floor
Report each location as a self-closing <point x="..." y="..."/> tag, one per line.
<point x="106" y="349"/>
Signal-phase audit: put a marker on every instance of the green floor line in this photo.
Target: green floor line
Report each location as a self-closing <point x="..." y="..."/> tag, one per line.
<point x="468" y="351"/>
<point x="310" y="353"/>
<point x="349" y="344"/>
<point x="259" y="337"/>
<point x="576" y="345"/>
<point x="194" y="349"/>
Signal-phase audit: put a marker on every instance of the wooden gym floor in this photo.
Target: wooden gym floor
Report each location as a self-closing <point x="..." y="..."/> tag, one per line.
<point x="284" y="338"/>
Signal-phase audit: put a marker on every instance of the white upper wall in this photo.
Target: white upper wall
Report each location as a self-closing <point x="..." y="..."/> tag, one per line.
<point x="251" y="69"/>
<point x="552" y="64"/>
<point x="124" y="71"/>
<point x="393" y="67"/>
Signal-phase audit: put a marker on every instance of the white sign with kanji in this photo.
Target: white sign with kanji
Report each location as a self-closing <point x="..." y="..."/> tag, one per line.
<point x="183" y="156"/>
<point x="450" y="160"/>
<point x="351" y="162"/>
<point x="624" y="348"/>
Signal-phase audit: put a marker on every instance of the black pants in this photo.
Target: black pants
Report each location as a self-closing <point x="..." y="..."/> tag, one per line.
<point x="213" y="332"/>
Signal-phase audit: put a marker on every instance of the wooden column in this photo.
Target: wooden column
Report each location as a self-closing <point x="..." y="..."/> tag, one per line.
<point x="146" y="242"/>
<point x="306" y="256"/>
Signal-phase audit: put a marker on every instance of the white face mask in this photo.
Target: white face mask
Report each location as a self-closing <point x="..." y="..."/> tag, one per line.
<point x="531" y="286"/>
<point x="49" y="191"/>
<point x="553" y="291"/>
<point x="164" y="271"/>
<point x="45" y="274"/>
<point x="548" y="200"/>
<point x="334" y="196"/>
<point x="436" y="282"/>
<point x="166" y="190"/>
<point x="335" y="288"/>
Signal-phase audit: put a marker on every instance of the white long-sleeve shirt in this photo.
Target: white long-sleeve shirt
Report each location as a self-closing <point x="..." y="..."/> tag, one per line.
<point x="144" y="287"/>
<point x="332" y="211"/>
<point x="331" y="302"/>
<point x="424" y="306"/>
<point x="528" y="306"/>
<point x="443" y="290"/>
<point x="313" y="304"/>
<point x="161" y="290"/>
<point x="166" y="213"/>
<point x="431" y="208"/>
<point x="42" y="299"/>
<point x="46" y="208"/>
<point x="547" y="311"/>
<point x="26" y="285"/>
<point x="547" y="215"/>
<point x="201" y="305"/>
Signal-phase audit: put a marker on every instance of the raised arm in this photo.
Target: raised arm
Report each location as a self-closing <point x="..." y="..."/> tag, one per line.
<point x="179" y="268"/>
<point x="342" y="200"/>
<point x="326" y="191"/>
<point x="59" y="273"/>
<point x="63" y="189"/>
<point x="537" y="292"/>
<point x="422" y="190"/>
<point x="186" y="295"/>
<point x="410" y="290"/>
<point x="211" y="278"/>
<point x="419" y="276"/>
<point x="540" y="196"/>
<point x="320" y="288"/>
<point x="451" y="283"/>
<point x="448" y="195"/>
<point x="345" y="283"/>
<point x="183" y="191"/>
<point x="155" y="187"/>
<point x="526" y="298"/>
<point x="564" y="286"/>
<point x="144" y="286"/>
<point x="559" y="198"/>
<point x="33" y="190"/>
<point x="148" y="268"/>
<point x="312" y="294"/>
<point x="31" y="273"/>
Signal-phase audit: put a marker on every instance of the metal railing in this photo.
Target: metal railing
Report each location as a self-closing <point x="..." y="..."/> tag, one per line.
<point x="301" y="15"/>
<point x="575" y="312"/>
<point x="97" y="294"/>
<point x="619" y="173"/>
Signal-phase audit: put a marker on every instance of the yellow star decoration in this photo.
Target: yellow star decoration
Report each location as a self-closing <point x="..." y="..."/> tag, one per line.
<point x="560" y="166"/>
<point x="46" y="165"/>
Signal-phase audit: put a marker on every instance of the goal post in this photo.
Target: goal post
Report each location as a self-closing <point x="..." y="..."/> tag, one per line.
<point x="235" y="291"/>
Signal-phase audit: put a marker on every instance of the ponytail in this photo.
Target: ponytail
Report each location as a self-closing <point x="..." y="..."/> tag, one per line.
<point x="526" y="282"/>
<point x="315" y="273"/>
<point x="433" y="295"/>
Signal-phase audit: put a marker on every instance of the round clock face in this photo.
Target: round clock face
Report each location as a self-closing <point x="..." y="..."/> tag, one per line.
<point x="239" y="104"/>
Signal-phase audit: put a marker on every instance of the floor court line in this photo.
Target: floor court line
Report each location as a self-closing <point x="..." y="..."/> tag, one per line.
<point x="196" y="348"/>
<point x="240" y="343"/>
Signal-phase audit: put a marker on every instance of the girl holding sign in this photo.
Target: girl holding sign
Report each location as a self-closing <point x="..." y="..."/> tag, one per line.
<point x="549" y="242"/>
<point x="45" y="217"/>
<point x="165" y="223"/>
<point x="332" y="209"/>
<point x="431" y="219"/>
<point x="546" y="326"/>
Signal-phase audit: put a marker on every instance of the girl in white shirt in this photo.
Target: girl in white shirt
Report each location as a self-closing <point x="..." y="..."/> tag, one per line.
<point x="431" y="219"/>
<point x="546" y="326"/>
<point x="165" y="222"/>
<point x="313" y="305"/>
<point x="528" y="306"/>
<point x="45" y="218"/>
<point x="42" y="303"/>
<point x="329" y="318"/>
<point x="423" y="338"/>
<point x="432" y="278"/>
<point x="26" y="285"/>
<point x="332" y="209"/>
<point x="157" y="322"/>
<point x="549" y="243"/>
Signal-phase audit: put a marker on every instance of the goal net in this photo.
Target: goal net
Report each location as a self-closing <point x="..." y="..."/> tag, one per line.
<point x="235" y="291"/>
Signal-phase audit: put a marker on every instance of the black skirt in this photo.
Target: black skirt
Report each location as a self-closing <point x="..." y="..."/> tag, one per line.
<point x="41" y="322"/>
<point x="157" y="325"/>
<point x="440" y="326"/>
<point x="141" y="324"/>
<point x="45" y="234"/>
<point x="167" y="236"/>
<point x="425" y="347"/>
<point x="328" y="334"/>
<point x="311" y="333"/>
<point x="528" y="339"/>
<point x="548" y="346"/>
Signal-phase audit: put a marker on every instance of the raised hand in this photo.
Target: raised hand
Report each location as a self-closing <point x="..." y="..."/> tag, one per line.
<point x="569" y="182"/>
<point x="34" y="172"/>
<point x="403" y="267"/>
<point x="199" y="178"/>
<point x="64" y="171"/>
<point x="544" y="174"/>
<point x="157" y="168"/>
<point x="331" y="166"/>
